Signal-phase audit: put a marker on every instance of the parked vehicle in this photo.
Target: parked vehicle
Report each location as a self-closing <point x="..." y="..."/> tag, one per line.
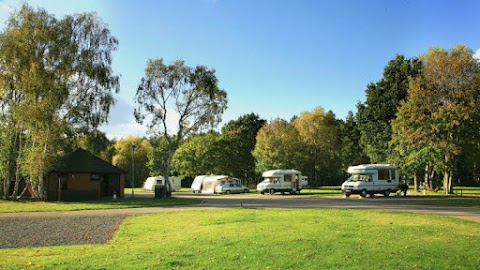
<point x="231" y="187"/>
<point x="151" y="182"/>
<point x="282" y="181"/>
<point x="197" y="183"/>
<point x="372" y="179"/>
<point x="207" y="183"/>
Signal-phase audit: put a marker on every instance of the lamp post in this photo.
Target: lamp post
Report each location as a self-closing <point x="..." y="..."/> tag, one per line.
<point x="132" y="179"/>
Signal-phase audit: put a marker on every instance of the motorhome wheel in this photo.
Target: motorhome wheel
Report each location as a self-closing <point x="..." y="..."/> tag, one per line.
<point x="271" y="191"/>
<point x="363" y="193"/>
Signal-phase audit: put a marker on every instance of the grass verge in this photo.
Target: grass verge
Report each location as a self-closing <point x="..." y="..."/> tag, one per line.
<point x="446" y="201"/>
<point x="36" y="206"/>
<point x="270" y="239"/>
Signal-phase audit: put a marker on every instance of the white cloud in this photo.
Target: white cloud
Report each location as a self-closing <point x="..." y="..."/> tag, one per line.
<point x="476" y="55"/>
<point x="122" y="122"/>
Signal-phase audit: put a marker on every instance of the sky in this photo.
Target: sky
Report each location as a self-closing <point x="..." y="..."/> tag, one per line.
<point x="275" y="58"/>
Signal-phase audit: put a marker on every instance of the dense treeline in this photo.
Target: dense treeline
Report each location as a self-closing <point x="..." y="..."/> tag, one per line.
<point x="57" y="85"/>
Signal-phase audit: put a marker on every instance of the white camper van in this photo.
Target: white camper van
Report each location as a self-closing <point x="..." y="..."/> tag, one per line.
<point x="371" y="179"/>
<point x="175" y="182"/>
<point x="282" y="181"/>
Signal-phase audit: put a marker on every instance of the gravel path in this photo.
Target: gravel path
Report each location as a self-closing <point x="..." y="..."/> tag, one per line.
<point x="56" y="230"/>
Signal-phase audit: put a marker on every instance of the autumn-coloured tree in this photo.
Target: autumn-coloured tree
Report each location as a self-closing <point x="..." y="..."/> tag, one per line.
<point x="125" y="157"/>
<point x="441" y="113"/>
<point x="319" y="131"/>
<point x="279" y="146"/>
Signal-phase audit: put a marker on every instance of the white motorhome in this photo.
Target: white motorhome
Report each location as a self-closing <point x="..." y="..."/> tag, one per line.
<point x="282" y="181"/>
<point x="151" y="182"/>
<point x="371" y="179"/>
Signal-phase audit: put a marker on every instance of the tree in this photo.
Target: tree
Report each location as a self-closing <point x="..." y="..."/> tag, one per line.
<point x="351" y="152"/>
<point x="236" y="144"/>
<point x="445" y="98"/>
<point x="56" y="76"/>
<point x="125" y="157"/>
<point x="97" y="143"/>
<point x="380" y="107"/>
<point x="177" y="91"/>
<point x="197" y="155"/>
<point x="319" y="131"/>
<point x="278" y="146"/>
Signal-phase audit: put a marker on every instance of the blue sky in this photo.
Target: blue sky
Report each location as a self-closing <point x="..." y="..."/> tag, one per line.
<point x="276" y="58"/>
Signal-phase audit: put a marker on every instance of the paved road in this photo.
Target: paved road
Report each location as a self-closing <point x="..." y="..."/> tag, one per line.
<point x="298" y="201"/>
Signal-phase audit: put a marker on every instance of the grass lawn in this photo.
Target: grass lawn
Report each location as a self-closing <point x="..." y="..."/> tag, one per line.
<point x="270" y="239"/>
<point x="446" y="201"/>
<point x="35" y="206"/>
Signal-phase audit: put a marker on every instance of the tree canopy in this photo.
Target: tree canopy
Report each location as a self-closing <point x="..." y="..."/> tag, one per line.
<point x="56" y="77"/>
<point x="177" y="91"/>
<point x="381" y="104"/>
<point x="441" y="115"/>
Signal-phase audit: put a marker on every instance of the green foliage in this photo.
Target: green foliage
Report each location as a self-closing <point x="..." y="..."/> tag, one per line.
<point x="381" y="105"/>
<point x="279" y="146"/>
<point x="441" y="115"/>
<point x="158" y="158"/>
<point x="197" y="155"/>
<point x="320" y="134"/>
<point x="55" y="77"/>
<point x="351" y="152"/>
<point x="97" y="143"/>
<point x="236" y="144"/>
<point x="125" y="158"/>
<point x="249" y="239"/>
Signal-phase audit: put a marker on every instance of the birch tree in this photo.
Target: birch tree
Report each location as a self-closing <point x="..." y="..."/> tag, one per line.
<point x="177" y="100"/>
<point x="56" y="77"/>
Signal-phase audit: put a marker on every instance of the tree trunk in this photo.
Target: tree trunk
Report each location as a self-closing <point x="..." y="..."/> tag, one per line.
<point x="166" y="173"/>
<point x="415" y="181"/>
<point x="447" y="177"/>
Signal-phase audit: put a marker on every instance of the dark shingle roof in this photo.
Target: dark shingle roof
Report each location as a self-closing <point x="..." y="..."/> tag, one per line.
<point x="82" y="161"/>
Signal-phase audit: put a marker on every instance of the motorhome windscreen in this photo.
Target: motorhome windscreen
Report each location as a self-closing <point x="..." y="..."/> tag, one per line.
<point x="271" y="180"/>
<point x="360" y="177"/>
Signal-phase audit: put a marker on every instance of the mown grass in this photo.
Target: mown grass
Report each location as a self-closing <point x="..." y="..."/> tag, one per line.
<point x="446" y="201"/>
<point x="26" y="205"/>
<point x="270" y="239"/>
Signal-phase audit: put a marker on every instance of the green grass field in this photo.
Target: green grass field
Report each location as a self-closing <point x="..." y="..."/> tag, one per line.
<point x="270" y="239"/>
<point x="36" y="206"/>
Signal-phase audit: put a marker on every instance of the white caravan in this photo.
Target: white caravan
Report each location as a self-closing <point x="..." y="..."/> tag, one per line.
<point x="151" y="182"/>
<point x="207" y="183"/>
<point x="282" y="181"/>
<point x="371" y="179"/>
<point x="197" y="183"/>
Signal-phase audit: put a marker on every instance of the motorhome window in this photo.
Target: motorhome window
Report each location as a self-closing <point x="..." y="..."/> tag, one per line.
<point x="393" y="174"/>
<point x="383" y="174"/>
<point x="287" y="178"/>
<point x="360" y="177"/>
